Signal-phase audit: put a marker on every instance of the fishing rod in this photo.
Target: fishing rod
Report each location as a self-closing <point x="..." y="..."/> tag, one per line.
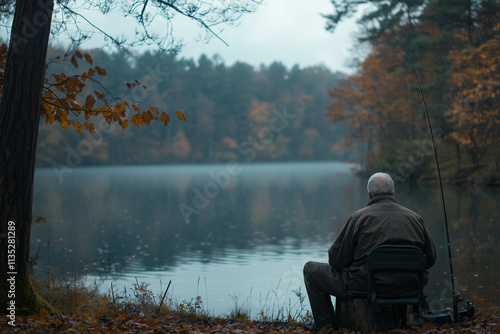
<point x="469" y="311"/>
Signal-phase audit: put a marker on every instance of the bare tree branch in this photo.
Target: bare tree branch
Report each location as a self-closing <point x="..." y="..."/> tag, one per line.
<point x="191" y="16"/>
<point x="69" y="10"/>
<point x="205" y="13"/>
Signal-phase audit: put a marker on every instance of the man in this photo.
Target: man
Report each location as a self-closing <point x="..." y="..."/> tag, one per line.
<point x="382" y="221"/>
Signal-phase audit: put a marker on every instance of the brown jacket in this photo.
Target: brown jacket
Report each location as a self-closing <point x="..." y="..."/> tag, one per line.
<point x="382" y="221"/>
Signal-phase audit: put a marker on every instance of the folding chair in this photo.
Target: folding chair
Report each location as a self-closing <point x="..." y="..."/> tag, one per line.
<point x="394" y="259"/>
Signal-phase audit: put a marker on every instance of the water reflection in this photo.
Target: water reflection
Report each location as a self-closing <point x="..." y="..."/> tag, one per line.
<point x="252" y="230"/>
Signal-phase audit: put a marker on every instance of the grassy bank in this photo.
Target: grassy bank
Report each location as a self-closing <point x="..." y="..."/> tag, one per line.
<point x="83" y="309"/>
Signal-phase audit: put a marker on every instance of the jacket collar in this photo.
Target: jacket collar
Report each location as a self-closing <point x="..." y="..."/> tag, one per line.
<point x="382" y="198"/>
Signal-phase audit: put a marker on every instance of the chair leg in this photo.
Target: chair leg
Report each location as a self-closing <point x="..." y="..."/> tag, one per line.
<point x="416" y="310"/>
<point x="402" y="315"/>
<point x="417" y="315"/>
<point x="372" y="320"/>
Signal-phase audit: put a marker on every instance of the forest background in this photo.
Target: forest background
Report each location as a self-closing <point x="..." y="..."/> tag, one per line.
<point x="374" y="116"/>
<point x="229" y="111"/>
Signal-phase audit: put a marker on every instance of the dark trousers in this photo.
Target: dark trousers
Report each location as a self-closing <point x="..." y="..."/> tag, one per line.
<point x="322" y="281"/>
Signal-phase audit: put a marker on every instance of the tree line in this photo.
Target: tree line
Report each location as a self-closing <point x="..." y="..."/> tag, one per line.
<point x="272" y="113"/>
<point x="455" y="48"/>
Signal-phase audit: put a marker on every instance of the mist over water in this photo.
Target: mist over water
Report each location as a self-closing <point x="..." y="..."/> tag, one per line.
<point x="241" y="233"/>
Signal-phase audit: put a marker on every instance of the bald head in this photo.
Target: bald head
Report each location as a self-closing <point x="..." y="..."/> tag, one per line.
<point x="380" y="184"/>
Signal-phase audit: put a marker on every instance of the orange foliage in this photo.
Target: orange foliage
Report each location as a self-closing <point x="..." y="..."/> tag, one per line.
<point x="63" y="101"/>
<point x="181" y="116"/>
<point x="381" y="106"/>
<point x="229" y="142"/>
<point x="375" y="103"/>
<point x="260" y="114"/>
<point x="474" y="81"/>
<point x="263" y="138"/>
<point x="181" y="148"/>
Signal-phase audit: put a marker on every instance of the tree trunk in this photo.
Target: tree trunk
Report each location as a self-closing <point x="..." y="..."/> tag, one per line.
<point x="19" y="119"/>
<point x="354" y="314"/>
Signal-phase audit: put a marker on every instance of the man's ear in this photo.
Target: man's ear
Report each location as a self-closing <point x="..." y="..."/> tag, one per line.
<point x="370" y="195"/>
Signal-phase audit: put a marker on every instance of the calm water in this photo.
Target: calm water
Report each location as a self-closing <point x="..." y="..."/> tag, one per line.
<point x="241" y="234"/>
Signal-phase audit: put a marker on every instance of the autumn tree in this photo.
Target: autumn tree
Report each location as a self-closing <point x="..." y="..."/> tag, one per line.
<point x="21" y="105"/>
<point x="379" y="103"/>
<point x="475" y="108"/>
<point x="375" y="104"/>
<point x="261" y="138"/>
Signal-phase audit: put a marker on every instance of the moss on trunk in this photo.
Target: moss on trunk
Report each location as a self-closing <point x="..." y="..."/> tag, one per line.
<point x="20" y="294"/>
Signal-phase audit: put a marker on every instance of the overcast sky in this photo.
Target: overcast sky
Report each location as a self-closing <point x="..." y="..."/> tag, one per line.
<point x="290" y="31"/>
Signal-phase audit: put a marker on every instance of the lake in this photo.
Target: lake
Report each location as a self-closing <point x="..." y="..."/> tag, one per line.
<point x="238" y="235"/>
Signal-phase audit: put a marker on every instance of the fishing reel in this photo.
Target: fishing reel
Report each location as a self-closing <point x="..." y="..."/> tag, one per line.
<point x="441" y="317"/>
<point x="465" y="313"/>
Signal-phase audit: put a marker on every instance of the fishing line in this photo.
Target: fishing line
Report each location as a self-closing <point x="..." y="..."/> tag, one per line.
<point x="456" y="297"/>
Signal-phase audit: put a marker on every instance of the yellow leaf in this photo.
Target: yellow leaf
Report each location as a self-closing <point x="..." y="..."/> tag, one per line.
<point x="43" y="313"/>
<point x="78" y="126"/>
<point x="124" y="124"/>
<point x="99" y="95"/>
<point x="75" y="105"/>
<point x="137" y="120"/>
<point x="89" y="102"/>
<point x="164" y="118"/>
<point x="102" y="109"/>
<point x="74" y="62"/>
<point x="78" y="54"/>
<point x="122" y="316"/>
<point x="154" y="109"/>
<point x="89" y="126"/>
<point x="181" y="116"/>
<point x="81" y="326"/>
<point x="100" y="70"/>
<point x="58" y="77"/>
<point x="88" y="58"/>
<point x="91" y="72"/>
<point x="120" y="109"/>
<point x="41" y="219"/>
<point x="65" y="123"/>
